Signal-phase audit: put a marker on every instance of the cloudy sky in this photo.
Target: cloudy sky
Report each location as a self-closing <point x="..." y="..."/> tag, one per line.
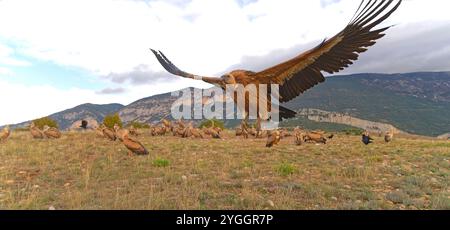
<point x="58" y="54"/>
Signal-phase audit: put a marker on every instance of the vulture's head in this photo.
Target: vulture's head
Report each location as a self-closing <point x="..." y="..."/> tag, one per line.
<point x="228" y="79"/>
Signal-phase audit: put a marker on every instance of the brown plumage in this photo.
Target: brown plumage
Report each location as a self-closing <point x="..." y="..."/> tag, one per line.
<point x="197" y="133"/>
<point x="153" y="130"/>
<point x="51" y="132"/>
<point x="318" y="132"/>
<point x="388" y="136"/>
<point x="180" y="123"/>
<point x="299" y="137"/>
<point x="217" y="129"/>
<point x="315" y="137"/>
<point x="252" y="131"/>
<point x="285" y="133"/>
<point x="158" y="130"/>
<point x="161" y="131"/>
<point x="36" y="132"/>
<point x="242" y="130"/>
<point x="178" y="131"/>
<point x="99" y="132"/>
<point x="120" y="132"/>
<point x="166" y="123"/>
<point x="134" y="146"/>
<point x="273" y="138"/>
<point x="304" y="71"/>
<point x="5" y="134"/>
<point x="133" y="131"/>
<point x="108" y="133"/>
<point x="187" y="132"/>
<point x="238" y="132"/>
<point x="258" y="129"/>
<point x="245" y="133"/>
<point x="211" y="132"/>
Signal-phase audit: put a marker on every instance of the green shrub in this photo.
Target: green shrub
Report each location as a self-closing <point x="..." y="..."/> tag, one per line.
<point x="110" y="120"/>
<point x="41" y="122"/>
<point x="159" y="162"/>
<point x="285" y="169"/>
<point x="212" y="123"/>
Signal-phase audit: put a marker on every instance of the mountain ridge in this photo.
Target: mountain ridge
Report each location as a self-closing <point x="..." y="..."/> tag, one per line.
<point x="417" y="103"/>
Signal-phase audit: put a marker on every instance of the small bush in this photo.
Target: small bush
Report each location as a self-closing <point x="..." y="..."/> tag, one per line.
<point x="41" y="122"/>
<point x="159" y="162"/>
<point x="212" y="123"/>
<point x="440" y="202"/>
<point x="285" y="169"/>
<point x="138" y="125"/>
<point x="397" y="197"/>
<point x="110" y="120"/>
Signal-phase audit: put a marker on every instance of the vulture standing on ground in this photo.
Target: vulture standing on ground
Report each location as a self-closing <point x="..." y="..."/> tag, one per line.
<point x="5" y="134"/>
<point x="108" y="133"/>
<point x="299" y="137"/>
<point x="388" y="136"/>
<point x="134" y="146"/>
<point x="36" y="132"/>
<point x="133" y="131"/>
<point x="120" y="132"/>
<point x="212" y="132"/>
<point x="51" y="132"/>
<point x="273" y="138"/>
<point x="304" y="71"/>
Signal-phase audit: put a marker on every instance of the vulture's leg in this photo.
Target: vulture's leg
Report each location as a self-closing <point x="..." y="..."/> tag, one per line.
<point x="258" y="127"/>
<point x="245" y="121"/>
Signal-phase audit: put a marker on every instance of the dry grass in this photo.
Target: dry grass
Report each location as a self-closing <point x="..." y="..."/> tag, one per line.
<point x="82" y="171"/>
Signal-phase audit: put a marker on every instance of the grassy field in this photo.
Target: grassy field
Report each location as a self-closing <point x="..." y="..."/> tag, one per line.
<point x="82" y="171"/>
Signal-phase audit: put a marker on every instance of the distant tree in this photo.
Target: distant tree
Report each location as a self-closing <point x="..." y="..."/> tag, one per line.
<point x="138" y="125"/>
<point x="110" y="120"/>
<point x="212" y="123"/>
<point x="41" y="122"/>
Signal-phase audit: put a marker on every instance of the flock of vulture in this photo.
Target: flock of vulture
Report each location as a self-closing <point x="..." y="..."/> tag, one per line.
<point x="187" y="130"/>
<point x="46" y="132"/>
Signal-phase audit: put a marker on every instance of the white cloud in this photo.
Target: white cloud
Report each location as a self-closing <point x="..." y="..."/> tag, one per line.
<point x="5" y="71"/>
<point x="6" y="59"/>
<point x="201" y="36"/>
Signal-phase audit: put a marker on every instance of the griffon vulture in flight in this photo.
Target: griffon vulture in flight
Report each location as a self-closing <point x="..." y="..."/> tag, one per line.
<point x="304" y="71"/>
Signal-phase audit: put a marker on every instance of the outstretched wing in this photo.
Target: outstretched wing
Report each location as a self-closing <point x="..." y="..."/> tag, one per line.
<point x="304" y="71"/>
<point x="171" y="68"/>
